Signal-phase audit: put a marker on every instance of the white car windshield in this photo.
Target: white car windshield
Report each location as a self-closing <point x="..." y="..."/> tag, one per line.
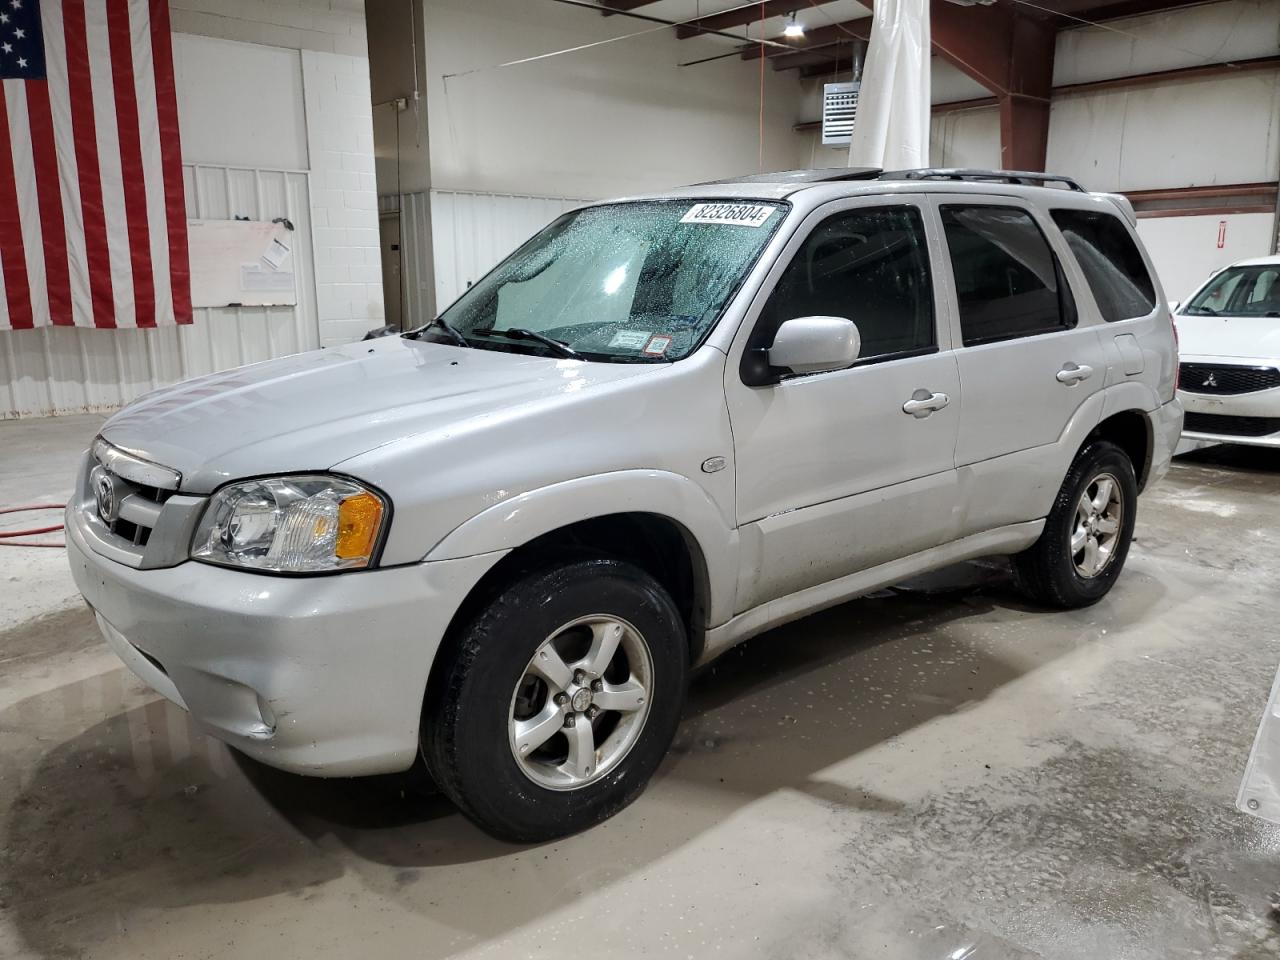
<point x="622" y="282"/>
<point x="1239" y="292"/>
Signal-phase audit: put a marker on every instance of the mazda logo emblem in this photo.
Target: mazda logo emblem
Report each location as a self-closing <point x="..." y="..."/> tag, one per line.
<point x="104" y="492"/>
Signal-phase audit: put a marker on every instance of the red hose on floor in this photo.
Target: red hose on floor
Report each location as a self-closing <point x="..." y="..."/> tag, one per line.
<point x="6" y="536"/>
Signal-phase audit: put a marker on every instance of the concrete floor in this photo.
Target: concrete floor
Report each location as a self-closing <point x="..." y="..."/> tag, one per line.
<point x="936" y="771"/>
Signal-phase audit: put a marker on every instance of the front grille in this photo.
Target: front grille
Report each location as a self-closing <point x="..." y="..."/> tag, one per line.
<point x="121" y="500"/>
<point x="131" y="510"/>
<point x="1230" y="426"/>
<point x="1227" y="378"/>
<point x="136" y="506"/>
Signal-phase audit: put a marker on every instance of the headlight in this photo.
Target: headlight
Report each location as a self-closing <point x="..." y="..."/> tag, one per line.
<point x="303" y="524"/>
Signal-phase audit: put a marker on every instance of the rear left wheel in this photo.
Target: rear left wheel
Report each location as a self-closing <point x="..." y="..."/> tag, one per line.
<point x="1087" y="534"/>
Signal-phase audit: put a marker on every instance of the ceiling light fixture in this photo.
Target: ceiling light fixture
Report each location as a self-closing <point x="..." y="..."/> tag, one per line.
<point x="794" y="30"/>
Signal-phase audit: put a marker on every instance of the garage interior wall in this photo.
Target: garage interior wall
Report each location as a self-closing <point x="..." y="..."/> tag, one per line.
<point x="1185" y="133"/>
<point x="511" y="148"/>
<point x="273" y="102"/>
<point x="471" y="233"/>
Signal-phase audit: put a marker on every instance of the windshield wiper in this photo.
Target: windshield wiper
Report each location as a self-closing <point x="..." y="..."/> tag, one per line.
<point x="454" y="333"/>
<point x="1203" y="311"/>
<point x="449" y="329"/>
<point x="521" y="333"/>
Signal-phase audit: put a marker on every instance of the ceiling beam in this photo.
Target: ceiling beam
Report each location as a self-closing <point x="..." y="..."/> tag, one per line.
<point x="744" y="15"/>
<point x="1066" y="13"/>
<point x="1263" y="191"/>
<point x="826" y="57"/>
<point x="843" y="65"/>
<point x="610" y="7"/>
<point x="1204" y="71"/>
<point x="813" y="39"/>
<point x="649" y="18"/>
<point x="979" y="40"/>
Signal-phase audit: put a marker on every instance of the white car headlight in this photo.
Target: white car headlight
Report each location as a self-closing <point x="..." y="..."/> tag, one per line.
<point x="302" y="524"/>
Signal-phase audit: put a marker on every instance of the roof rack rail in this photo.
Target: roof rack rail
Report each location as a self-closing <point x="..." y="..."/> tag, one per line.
<point x="1022" y="177"/>
<point x="802" y="178"/>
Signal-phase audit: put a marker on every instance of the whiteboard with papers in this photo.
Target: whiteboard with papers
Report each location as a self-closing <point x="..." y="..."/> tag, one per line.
<point x="241" y="263"/>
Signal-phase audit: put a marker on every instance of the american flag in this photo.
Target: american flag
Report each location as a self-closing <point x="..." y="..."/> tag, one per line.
<point x="93" y="229"/>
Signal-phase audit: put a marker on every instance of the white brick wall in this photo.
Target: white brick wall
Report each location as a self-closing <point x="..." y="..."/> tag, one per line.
<point x="344" y="199"/>
<point x="331" y="26"/>
<point x="330" y="35"/>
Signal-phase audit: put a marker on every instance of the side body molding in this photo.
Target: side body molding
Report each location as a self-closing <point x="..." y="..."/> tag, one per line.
<point x="522" y="518"/>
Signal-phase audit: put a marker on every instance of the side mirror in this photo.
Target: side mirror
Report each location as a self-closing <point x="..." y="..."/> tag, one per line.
<point x="815" y="344"/>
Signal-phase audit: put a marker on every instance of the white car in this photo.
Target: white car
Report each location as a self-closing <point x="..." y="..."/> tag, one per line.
<point x="1229" y="332"/>
<point x="663" y="425"/>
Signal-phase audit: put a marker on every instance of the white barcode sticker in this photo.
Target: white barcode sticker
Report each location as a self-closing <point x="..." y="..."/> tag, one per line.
<point x="630" y="339"/>
<point x="734" y="214"/>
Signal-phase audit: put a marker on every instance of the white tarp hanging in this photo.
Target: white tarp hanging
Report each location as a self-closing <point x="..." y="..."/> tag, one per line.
<point x="892" y="129"/>
<point x="1260" y="789"/>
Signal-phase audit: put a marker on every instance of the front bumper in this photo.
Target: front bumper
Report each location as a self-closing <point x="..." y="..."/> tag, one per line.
<point x="318" y="675"/>
<point x="1251" y="418"/>
<point x="1233" y="412"/>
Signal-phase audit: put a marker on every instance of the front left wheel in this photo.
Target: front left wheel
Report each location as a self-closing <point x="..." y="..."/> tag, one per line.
<point x="551" y="710"/>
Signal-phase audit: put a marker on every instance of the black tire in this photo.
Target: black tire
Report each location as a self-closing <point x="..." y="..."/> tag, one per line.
<point x="1047" y="571"/>
<point x="465" y="728"/>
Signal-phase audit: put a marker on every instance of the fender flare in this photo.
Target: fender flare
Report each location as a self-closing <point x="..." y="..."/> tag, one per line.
<point x="1101" y="406"/>
<point x="1129" y="395"/>
<point x="1106" y="403"/>
<point x="527" y="516"/>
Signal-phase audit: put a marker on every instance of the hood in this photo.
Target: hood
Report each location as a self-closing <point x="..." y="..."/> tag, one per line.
<point x="1247" y="338"/>
<point x="313" y="410"/>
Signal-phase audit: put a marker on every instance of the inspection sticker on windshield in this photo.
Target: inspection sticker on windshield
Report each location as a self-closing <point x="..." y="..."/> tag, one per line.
<point x="734" y="214"/>
<point x="630" y="339"/>
<point x="657" y="345"/>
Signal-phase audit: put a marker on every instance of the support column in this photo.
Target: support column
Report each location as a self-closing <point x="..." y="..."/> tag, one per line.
<point x="397" y="78"/>
<point x="1024" y="132"/>
<point x="1011" y="54"/>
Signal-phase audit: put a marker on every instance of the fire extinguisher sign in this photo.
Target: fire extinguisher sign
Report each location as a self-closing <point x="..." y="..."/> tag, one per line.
<point x="1222" y="234"/>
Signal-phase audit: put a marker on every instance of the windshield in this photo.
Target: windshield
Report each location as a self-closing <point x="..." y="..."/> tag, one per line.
<point x="1239" y="292"/>
<point x="623" y="282"/>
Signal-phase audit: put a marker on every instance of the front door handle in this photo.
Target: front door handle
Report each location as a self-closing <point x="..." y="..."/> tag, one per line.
<point x="1072" y="374"/>
<point x="923" y="403"/>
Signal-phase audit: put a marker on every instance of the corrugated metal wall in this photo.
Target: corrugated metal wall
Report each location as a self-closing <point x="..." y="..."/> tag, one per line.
<point x="66" y="370"/>
<point x="471" y="232"/>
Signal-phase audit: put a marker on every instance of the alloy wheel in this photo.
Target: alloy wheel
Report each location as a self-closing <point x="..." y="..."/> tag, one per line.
<point x="1095" y="533"/>
<point x="581" y="703"/>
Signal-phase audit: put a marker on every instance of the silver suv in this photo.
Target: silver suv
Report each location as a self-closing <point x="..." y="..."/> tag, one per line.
<point x="500" y="541"/>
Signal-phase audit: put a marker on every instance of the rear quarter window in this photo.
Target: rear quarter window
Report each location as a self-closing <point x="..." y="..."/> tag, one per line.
<point x="1110" y="261"/>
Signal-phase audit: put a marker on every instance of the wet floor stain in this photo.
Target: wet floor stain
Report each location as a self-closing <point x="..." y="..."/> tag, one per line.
<point x="935" y="768"/>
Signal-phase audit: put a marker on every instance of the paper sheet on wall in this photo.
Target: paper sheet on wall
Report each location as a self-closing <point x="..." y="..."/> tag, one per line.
<point x="241" y="262"/>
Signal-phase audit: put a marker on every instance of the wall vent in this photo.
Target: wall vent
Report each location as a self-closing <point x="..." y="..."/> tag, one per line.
<point x="839" y="109"/>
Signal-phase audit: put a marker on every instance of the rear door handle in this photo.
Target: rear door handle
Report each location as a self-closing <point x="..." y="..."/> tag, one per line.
<point x="923" y="403"/>
<point x="1072" y="374"/>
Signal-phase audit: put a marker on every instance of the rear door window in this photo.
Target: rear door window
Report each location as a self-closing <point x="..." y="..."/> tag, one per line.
<point x="1008" y="281"/>
<point x="1110" y="262"/>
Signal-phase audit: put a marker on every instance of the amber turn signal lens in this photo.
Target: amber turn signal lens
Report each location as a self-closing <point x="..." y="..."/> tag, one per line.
<point x="359" y="520"/>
